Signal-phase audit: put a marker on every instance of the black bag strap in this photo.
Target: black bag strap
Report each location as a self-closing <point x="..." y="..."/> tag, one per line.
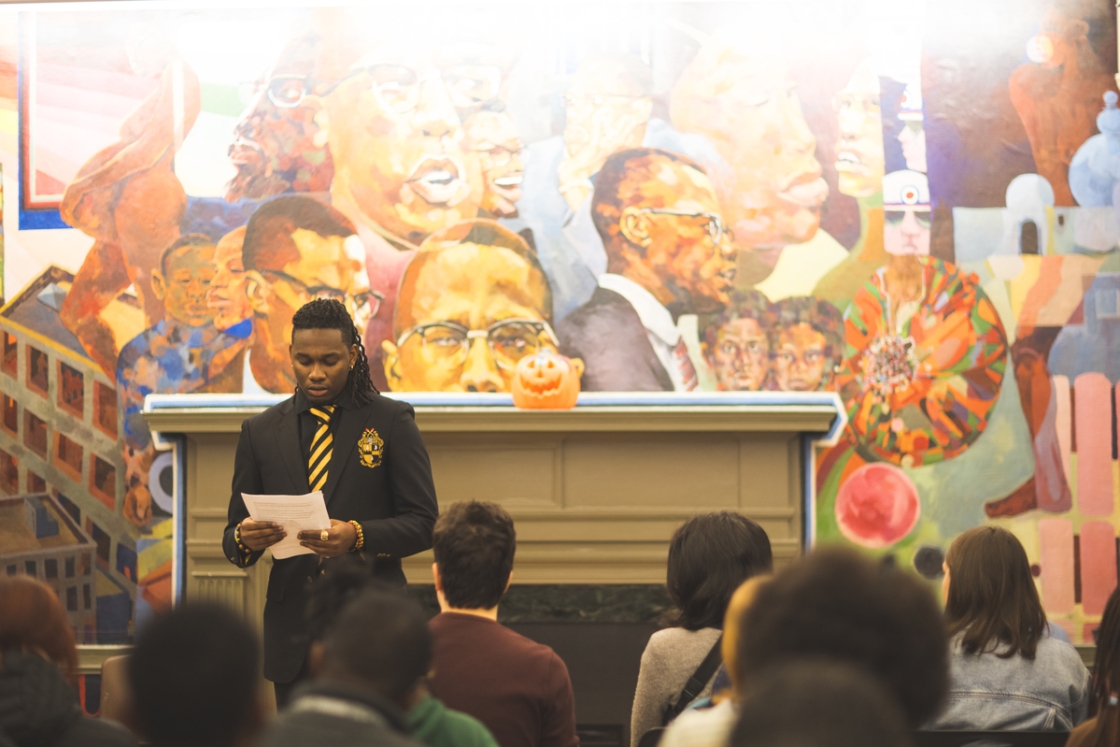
<point x="698" y="681"/>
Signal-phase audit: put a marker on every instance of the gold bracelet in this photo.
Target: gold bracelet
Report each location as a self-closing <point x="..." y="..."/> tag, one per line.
<point x="361" y="541"/>
<point x="237" y="538"/>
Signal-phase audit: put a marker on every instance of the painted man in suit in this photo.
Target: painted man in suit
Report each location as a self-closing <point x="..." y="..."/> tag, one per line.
<point x="669" y="258"/>
<point x="339" y="435"/>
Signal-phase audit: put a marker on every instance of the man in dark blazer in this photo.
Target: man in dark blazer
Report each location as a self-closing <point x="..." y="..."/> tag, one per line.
<point x="668" y="254"/>
<point x="376" y="481"/>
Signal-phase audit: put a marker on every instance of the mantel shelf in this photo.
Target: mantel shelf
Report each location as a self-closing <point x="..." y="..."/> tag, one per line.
<point x="738" y="412"/>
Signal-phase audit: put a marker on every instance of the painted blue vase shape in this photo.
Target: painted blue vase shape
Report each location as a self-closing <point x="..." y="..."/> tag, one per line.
<point x="1094" y="173"/>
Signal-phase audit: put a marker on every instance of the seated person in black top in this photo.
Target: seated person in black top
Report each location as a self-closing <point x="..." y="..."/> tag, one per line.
<point x="194" y="677"/>
<point x="367" y="665"/>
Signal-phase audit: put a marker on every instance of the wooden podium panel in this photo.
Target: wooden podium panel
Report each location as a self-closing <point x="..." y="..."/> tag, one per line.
<point x="596" y="492"/>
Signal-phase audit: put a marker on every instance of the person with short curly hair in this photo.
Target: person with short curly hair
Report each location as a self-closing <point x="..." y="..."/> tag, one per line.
<point x="337" y="435"/>
<point x="518" y="688"/>
<point x="843" y="606"/>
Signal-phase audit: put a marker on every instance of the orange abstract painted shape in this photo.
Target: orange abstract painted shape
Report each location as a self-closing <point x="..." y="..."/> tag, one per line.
<point x="920" y="391"/>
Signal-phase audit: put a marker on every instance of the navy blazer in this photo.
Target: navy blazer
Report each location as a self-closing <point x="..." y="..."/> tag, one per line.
<point x="394" y="500"/>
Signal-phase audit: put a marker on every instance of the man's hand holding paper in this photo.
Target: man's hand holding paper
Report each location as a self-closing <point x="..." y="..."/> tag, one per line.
<point x="277" y="519"/>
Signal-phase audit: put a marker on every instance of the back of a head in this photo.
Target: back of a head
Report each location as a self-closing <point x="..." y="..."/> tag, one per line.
<point x="194" y="675"/>
<point x="837" y="604"/>
<point x="379" y="642"/>
<point x="474" y="543"/>
<point x="817" y="703"/>
<point x="709" y="557"/>
<point x="32" y="616"/>
<point x="733" y="632"/>
<point x="992" y="601"/>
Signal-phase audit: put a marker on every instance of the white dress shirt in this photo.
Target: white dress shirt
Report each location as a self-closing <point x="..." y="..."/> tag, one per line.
<point x="663" y="334"/>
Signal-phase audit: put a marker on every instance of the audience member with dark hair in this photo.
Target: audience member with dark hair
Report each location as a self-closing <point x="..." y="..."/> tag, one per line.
<point x="1007" y="673"/>
<point x="819" y="703"/>
<point x="38" y="664"/>
<point x="518" y="688"/>
<point x="837" y="604"/>
<point x="1103" y="730"/>
<point x="709" y="557"/>
<point x="195" y="679"/>
<point x="366" y="668"/>
<point x="711" y="727"/>
<point x="429" y="721"/>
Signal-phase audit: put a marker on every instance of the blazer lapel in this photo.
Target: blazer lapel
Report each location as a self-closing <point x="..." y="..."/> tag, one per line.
<point x="345" y="439"/>
<point x="287" y="442"/>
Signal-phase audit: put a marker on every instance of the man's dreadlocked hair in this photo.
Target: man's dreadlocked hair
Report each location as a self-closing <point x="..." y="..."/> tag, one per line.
<point x="326" y="313"/>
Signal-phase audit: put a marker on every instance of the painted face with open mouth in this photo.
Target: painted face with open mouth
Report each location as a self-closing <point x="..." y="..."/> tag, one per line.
<point x="438" y="181"/>
<point x="400" y="150"/>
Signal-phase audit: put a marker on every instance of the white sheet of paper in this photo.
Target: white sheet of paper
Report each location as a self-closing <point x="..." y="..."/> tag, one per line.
<point x="296" y="513"/>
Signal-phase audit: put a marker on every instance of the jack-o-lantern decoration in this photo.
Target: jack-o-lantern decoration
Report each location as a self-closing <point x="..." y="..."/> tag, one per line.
<point x="546" y="381"/>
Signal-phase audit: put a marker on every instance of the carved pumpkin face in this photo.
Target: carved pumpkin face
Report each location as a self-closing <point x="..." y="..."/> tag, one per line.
<point x="547" y="381"/>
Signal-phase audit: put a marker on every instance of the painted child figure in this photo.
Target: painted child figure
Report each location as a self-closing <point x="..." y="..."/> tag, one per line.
<point x="184" y="352"/>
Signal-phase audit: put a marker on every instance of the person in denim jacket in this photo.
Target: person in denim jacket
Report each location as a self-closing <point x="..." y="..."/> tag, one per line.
<point x="1006" y="671"/>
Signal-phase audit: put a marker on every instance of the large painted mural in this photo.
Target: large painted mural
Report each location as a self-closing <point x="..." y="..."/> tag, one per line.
<point x="916" y="208"/>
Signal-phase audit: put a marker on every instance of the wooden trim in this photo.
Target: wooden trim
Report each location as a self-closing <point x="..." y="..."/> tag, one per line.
<point x="735" y="418"/>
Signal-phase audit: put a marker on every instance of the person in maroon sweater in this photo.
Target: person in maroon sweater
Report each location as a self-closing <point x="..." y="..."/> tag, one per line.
<point x="518" y="688"/>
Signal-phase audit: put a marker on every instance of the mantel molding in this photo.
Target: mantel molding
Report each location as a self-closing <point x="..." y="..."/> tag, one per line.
<point x="737" y="418"/>
<point x="773" y="412"/>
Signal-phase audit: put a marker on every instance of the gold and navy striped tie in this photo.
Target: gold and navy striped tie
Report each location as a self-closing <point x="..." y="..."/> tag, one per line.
<point x="320" y="448"/>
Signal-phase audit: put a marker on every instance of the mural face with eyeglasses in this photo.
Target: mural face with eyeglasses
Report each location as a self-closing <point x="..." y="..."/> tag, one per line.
<point x="468" y="312"/>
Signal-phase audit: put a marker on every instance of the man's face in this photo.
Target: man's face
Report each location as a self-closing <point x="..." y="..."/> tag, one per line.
<point x="913" y="142"/>
<point x="906" y="229"/>
<point x="227" y="295"/>
<point x="741" y="356"/>
<point x="276" y="145"/>
<point x="185" y="284"/>
<point x="747" y="107"/>
<point x="476" y="288"/>
<point x="605" y="112"/>
<point x="328" y="267"/>
<point x="800" y="360"/>
<point x="399" y="148"/>
<point x="493" y="135"/>
<point x="860" y="161"/>
<point x="685" y="244"/>
<point x="321" y="362"/>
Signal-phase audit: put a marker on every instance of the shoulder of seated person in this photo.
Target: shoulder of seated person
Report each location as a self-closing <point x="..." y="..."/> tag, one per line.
<point x="671" y="636"/>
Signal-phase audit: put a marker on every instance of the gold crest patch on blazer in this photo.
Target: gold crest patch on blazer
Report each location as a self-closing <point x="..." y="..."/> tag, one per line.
<point x="370" y="448"/>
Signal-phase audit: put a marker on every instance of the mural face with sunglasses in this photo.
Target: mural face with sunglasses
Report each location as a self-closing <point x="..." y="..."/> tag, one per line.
<point x="467" y="313"/>
<point x="401" y="154"/>
<point x="906" y="213"/>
